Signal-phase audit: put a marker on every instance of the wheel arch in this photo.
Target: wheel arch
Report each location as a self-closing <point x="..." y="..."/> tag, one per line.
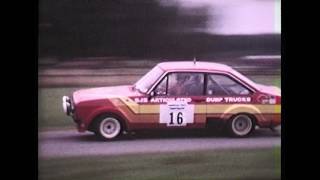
<point x="252" y="117"/>
<point x="238" y="108"/>
<point x="116" y="114"/>
<point x="246" y="109"/>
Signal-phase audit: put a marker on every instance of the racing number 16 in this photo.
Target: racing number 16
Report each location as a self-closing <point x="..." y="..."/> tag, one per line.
<point x="179" y="118"/>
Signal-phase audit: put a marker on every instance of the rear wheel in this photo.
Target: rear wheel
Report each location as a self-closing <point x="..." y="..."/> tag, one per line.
<point x="108" y="127"/>
<point x="241" y="125"/>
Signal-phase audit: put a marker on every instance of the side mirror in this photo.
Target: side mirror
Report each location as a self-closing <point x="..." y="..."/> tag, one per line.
<point x="152" y="93"/>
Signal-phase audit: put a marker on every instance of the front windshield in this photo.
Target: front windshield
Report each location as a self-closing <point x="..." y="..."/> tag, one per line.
<point x="145" y="83"/>
<point x="247" y="80"/>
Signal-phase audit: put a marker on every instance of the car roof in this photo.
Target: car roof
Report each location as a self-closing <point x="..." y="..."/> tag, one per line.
<point x="190" y="65"/>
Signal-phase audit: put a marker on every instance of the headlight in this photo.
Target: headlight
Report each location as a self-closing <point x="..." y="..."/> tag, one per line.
<point x="66" y="105"/>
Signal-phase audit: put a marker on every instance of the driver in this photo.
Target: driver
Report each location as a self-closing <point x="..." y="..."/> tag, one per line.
<point x="195" y="87"/>
<point x="179" y="87"/>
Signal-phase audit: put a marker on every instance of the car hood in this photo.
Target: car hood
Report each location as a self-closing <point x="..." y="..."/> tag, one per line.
<point x="103" y="93"/>
<point x="272" y="90"/>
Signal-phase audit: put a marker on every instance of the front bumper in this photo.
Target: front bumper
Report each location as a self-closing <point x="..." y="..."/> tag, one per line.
<point x="67" y="105"/>
<point x="68" y="109"/>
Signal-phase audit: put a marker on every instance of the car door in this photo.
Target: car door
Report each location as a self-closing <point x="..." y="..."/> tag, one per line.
<point x="222" y="92"/>
<point x="178" y="101"/>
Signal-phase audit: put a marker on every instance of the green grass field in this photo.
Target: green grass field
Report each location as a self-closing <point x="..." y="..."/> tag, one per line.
<point x="258" y="164"/>
<point x="50" y="112"/>
<point x="51" y="116"/>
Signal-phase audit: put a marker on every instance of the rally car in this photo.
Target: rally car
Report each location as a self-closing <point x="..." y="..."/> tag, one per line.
<point x="176" y="95"/>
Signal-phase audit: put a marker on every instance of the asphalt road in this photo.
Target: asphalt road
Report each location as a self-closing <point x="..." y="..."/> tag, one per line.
<point x="66" y="143"/>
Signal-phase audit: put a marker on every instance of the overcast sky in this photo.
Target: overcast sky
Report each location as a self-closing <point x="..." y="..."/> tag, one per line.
<point x="231" y="17"/>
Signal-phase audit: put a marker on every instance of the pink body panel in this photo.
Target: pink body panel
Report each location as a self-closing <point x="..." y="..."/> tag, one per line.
<point x="90" y="103"/>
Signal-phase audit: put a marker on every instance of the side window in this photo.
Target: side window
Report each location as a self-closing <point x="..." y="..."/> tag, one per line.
<point x="185" y="84"/>
<point x="161" y="89"/>
<point x="223" y="85"/>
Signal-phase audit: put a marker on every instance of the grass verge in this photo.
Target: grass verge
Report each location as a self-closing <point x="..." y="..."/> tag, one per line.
<point x="50" y="112"/>
<point x="238" y="164"/>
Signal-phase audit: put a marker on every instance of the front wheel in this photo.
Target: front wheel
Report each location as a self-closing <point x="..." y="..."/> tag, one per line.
<point x="108" y="127"/>
<point x="241" y="125"/>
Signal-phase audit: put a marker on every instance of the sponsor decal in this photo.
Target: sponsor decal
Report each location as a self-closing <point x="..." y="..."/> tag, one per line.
<point x="267" y="100"/>
<point x="208" y="100"/>
<point x="141" y="100"/>
<point x="228" y="99"/>
<point x="214" y="105"/>
<point x="214" y="100"/>
<point x="160" y="100"/>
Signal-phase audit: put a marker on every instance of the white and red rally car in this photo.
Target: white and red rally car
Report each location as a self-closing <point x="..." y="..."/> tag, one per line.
<point x="177" y="95"/>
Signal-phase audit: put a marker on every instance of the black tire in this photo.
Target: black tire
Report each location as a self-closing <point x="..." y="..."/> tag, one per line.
<point x="240" y="125"/>
<point x="107" y="127"/>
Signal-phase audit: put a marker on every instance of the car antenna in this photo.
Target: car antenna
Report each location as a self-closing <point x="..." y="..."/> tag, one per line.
<point x="194" y="60"/>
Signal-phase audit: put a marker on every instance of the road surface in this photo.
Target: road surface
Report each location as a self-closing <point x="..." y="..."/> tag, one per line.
<point x="66" y="143"/>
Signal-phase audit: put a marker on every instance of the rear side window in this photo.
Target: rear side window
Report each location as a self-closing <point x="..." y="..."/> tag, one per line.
<point x="218" y="84"/>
